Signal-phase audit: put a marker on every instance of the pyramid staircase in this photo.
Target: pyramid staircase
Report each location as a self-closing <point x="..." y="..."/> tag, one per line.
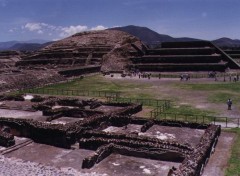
<point x="184" y="56"/>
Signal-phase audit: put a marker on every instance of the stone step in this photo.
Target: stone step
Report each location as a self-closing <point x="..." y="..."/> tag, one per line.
<point x="234" y="55"/>
<point x="50" y="55"/>
<point x="232" y="51"/>
<point x="180" y="67"/>
<point x="192" y="44"/>
<point x="49" y="61"/>
<point x="181" y="51"/>
<point x="177" y="59"/>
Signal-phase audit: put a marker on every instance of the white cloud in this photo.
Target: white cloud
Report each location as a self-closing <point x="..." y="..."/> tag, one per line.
<point x="98" y="28"/>
<point x="40" y="32"/>
<point x="57" y="31"/>
<point x="67" y="31"/>
<point x="33" y="26"/>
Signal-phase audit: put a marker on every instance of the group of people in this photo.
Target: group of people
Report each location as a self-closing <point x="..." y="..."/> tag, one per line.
<point x="184" y="76"/>
<point x="145" y="75"/>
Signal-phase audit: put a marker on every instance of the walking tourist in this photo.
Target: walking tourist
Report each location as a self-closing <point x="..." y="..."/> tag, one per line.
<point x="229" y="103"/>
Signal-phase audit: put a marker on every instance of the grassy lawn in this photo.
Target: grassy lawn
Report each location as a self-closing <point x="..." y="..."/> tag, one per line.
<point x="220" y="86"/>
<point x="233" y="167"/>
<point x="188" y="113"/>
<point x="219" y="92"/>
<point x="186" y="109"/>
<point x="99" y="83"/>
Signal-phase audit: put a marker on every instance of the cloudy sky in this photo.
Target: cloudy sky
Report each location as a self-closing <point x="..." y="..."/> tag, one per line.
<point x="55" y="19"/>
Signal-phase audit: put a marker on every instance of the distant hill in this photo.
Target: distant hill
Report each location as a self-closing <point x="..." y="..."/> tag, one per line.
<point x="145" y="34"/>
<point x="149" y="36"/>
<point x="227" y="42"/>
<point x="29" y="45"/>
<point x="6" y="45"/>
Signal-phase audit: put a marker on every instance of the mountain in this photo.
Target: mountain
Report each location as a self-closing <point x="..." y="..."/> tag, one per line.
<point x="6" y="45"/>
<point x="28" y="46"/>
<point x="11" y="44"/>
<point x="227" y="42"/>
<point x="149" y="36"/>
<point x="39" y="41"/>
<point x="145" y="34"/>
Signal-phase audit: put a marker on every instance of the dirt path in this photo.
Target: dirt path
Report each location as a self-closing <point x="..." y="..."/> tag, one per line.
<point x="218" y="161"/>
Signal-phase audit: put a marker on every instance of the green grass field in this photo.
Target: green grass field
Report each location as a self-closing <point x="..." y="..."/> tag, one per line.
<point x="219" y="92"/>
<point x="233" y="167"/>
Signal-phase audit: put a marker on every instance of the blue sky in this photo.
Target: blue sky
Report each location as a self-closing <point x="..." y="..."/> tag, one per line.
<point x="56" y="19"/>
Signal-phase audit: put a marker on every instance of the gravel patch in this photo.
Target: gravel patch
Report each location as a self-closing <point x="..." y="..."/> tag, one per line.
<point x="13" y="167"/>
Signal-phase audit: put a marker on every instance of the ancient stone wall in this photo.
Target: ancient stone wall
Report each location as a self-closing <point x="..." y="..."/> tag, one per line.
<point x="6" y="139"/>
<point x="194" y="163"/>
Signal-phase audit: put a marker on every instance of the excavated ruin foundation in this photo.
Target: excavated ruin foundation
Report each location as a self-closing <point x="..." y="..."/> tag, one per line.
<point x="90" y="131"/>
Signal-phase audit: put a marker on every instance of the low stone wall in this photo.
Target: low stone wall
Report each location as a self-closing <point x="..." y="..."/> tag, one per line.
<point x="94" y="142"/>
<point x="101" y="153"/>
<point x="6" y="139"/>
<point x="52" y="134"/>
<point x="106" y="150"/>
<point x="129" y="110"/>
<point x="71" y="112"/>
<point x="147" y="125"/>
<point x="16" y="97"/>
<point x="172" y="123"/>
<point x="101" y="134"/>
<point x="194" y="163"/>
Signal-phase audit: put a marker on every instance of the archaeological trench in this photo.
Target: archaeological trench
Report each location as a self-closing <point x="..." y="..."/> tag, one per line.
<point x="91" y="119"/>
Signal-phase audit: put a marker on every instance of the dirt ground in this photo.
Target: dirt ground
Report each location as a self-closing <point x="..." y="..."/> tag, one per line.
<point x="164" y="88"/>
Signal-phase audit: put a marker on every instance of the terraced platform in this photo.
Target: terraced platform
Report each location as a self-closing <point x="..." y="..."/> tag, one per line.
<point x="184" y="56"/>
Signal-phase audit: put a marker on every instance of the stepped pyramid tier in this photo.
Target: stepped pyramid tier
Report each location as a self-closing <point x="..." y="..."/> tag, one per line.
<point x="234" y="54"/>
<point x="8" y="59"/>
<point x="107" y="49"/>
<point x="184" y="56"/>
